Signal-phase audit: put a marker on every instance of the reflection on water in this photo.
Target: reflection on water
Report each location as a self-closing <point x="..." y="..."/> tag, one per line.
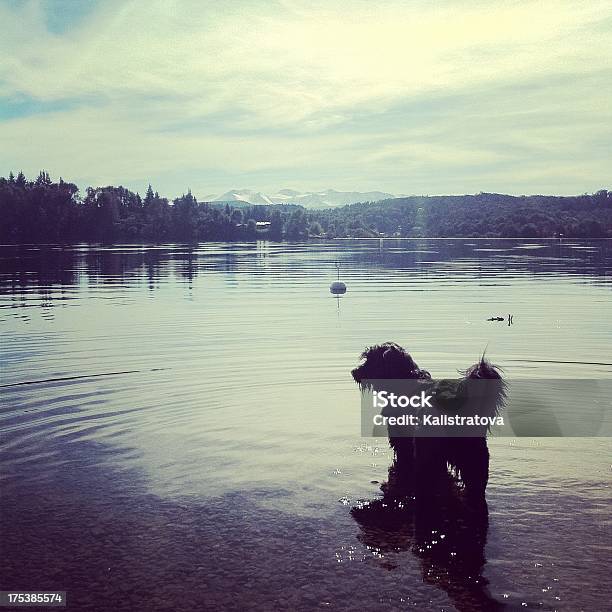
<point x="446" y="534"/>
<point x="189" y="425"/>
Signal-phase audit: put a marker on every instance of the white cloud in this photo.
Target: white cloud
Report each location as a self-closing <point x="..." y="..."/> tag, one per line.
<point x="290" y="89"/>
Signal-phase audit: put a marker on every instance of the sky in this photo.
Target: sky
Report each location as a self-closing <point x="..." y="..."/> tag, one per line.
<point x="410" y="97"/>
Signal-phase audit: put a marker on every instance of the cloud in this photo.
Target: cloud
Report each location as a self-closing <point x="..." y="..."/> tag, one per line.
<point x="424" y="96"/>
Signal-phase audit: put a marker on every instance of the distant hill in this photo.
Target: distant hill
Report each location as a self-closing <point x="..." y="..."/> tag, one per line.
<point x="491" y="215"/>
<point x="43" y="211"/>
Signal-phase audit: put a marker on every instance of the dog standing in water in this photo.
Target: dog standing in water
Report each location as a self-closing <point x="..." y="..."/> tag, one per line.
<point x="424" y="462"/>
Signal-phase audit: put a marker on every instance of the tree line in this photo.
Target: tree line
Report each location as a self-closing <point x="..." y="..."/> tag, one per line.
<point x="44" y="211"/>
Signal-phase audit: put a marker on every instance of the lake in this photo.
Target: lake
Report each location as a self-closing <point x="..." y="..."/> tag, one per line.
<point x="179" y="428"/>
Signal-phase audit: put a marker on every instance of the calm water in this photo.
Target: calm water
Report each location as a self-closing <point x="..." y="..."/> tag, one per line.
<point x="188" y="437"/>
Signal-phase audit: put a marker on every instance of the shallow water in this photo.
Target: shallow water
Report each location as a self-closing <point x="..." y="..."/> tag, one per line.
<point x="180" y="431"/>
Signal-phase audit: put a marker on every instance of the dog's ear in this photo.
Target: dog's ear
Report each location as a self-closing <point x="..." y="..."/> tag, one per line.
<point x="392" y="359"/>
<point x="391" y="355"/>
<point x="397" y="358"/>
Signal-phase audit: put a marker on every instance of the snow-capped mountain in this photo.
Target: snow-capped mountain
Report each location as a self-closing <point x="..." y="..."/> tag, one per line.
<point x="319" y="199"/>
<point x="244" y="195"/>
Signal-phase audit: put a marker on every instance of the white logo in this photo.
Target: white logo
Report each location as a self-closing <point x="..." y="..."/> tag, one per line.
<point x="382" y="399"/>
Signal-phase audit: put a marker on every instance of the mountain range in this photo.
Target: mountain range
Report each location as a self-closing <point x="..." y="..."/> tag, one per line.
<point x="309" y="199"/>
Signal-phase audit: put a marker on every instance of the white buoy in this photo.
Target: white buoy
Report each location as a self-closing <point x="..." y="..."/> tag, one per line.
<point x="338" y="287"/>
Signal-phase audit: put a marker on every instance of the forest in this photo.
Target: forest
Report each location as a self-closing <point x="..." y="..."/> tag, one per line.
<point x="44" y="211"/>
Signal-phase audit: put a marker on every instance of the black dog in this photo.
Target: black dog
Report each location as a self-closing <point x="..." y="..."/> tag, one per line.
<point x="424" y="462"/>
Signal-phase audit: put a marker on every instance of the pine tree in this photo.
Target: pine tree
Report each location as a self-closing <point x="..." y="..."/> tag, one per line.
<point x="149" y="197"/>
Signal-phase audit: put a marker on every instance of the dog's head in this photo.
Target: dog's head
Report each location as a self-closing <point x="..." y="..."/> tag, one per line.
<point x="387" y="361"/>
